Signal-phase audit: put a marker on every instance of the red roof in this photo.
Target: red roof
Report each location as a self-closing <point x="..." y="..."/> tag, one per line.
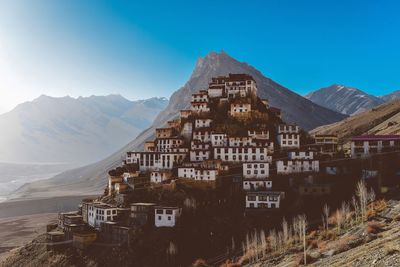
<point x="372" y="137"/>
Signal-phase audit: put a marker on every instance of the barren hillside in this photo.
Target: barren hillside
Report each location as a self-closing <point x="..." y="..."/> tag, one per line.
<point x="384" y="119"/>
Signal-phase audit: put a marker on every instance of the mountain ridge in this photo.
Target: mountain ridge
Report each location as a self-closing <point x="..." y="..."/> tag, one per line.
<point x="344" y="99"/>
<point x="81" y="128"/>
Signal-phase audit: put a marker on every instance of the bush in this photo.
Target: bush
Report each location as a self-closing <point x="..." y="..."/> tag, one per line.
<point x="374" y="227"/>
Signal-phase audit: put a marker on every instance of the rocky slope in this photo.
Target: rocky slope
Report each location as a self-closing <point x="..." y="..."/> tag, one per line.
<point x="376" y="243"/>
<point x="73" y="130"/>
<point x="344" y="99"/>
<point x="383" y="119"/>
<point x="90" y="179"/>
<point x="392" y="96"/>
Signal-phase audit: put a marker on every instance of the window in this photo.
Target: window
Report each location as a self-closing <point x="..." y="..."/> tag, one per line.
<point x="248" y="172"/>
<point x="159" y="211"/>
<point x="159" y="218"/>
<point x="251" y="198"/>
<point x="168" y="212"/>
<point x="169" y="218"/>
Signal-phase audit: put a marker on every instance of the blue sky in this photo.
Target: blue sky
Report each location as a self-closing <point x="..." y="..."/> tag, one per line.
<point x="149" y="48"/>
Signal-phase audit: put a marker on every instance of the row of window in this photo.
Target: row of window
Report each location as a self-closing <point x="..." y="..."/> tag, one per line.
<point x="263" y="198"/>
<point x="256" y="172"/>
<point x="262" y="165"/>
<point x="160" y="211"/>
<point x="240" y="158"/>
<point x="240" y="150"/>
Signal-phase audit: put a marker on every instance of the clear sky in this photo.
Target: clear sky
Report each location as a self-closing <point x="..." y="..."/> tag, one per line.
<point x="149" y="48"/>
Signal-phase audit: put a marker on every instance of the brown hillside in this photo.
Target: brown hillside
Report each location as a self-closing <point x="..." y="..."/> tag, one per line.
<point x="384" y="119"/>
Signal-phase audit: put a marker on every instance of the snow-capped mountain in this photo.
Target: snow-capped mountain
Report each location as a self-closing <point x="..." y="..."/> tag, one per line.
<point x="73" y="130"/>
<point x="344" y="99"/>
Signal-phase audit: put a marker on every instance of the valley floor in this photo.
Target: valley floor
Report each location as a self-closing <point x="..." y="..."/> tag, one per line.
<point x="38" y="206"/>
<point x="17" y="231"/>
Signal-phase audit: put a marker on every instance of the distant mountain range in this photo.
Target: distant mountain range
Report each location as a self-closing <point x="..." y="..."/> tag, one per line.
<point x="73" y="130"/>
<point x="91" y="179"/>
<point x="348" y="100"/>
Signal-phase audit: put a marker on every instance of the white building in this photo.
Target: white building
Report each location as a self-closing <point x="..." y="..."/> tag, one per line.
<point x="263" y="200"/>
<point x="294" y="155"/>
<point x="101" y="212"/>
<point x="240" y="85"/>
<point x="288" y="128"/>
<point x="366" y="145"/>
<point x="258" y="134"/>
<point x="199" y="155"/>
<point x="297" y="166"/>
<point x="219" y="139"/>
<point x="203" y="135"/>
<point x="166" y="144"/>
<point x="160" y="176"/>
<point x="240" y="141"/>
<point x="286" y="140"/>
<point x="254" y="185"/>
<point x="202" y="123"/>
<point x="206" y="175"/>
<point x="148" y="161"/>
<point x="214" y="92"/>
<point x="166" y="216"/>
<point x="200" y="107"/>
<point x="239" y="109"/>
<point x="255" y="170"/>
<point x="164" y="132"/>
<point x="288" y="136"/>
<point x="263" y="143"/>
<point x="200" y="97"/>
<point x="232" y="86"/>
<point x="198" y="173"/>
<point x="242" y="154"/>
<point x="187" y="172"/>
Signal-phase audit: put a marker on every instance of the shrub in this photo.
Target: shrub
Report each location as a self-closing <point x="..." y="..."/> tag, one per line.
<point x="374" y="227"/>
<point x="199" y="263"/>
<point x="312" y="244"/>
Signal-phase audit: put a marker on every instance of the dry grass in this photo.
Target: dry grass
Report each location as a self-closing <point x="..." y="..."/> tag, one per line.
<point x="323" y="246"/>
<point x="397" y="217"/>
<point x="312" y="243"/>
<point x="374" y="227"/>
<point x="331" y="234"/>
<point x="391" y="249"/>
<point x="376" y="207"/>
<point x="199" y="263"/>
